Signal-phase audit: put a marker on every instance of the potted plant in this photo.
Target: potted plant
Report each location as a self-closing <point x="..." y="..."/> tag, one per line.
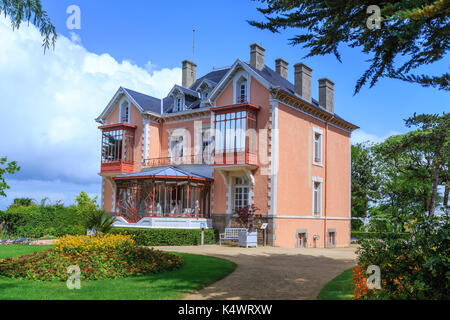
<point x="246" y="217"/>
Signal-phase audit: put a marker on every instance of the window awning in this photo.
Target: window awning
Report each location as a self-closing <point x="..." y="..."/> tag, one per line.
<point x="167" y="172"/>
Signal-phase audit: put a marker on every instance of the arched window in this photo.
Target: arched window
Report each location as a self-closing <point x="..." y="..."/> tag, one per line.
<point x="241" y="90"/>
<point x="124" y="112"/>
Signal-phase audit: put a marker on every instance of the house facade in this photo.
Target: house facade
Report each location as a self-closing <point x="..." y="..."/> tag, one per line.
<point x="237" y="136"/>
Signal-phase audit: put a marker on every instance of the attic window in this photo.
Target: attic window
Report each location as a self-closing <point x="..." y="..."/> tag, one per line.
<point x="179" y="104"/>
<point x="124" y="112"/>
<point x="241" y="90"/>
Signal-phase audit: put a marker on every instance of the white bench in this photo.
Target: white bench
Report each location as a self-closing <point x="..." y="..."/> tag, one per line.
<point x="230" y="234"/>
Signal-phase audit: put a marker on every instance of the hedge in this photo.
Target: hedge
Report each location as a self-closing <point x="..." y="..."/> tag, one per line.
<point x="373" y="235"/>
<point x="168" y="237"/>
<point x="37" y="221"/>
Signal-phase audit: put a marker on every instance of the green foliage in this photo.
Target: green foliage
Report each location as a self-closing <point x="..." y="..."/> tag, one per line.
<point x="415" y="32"/>
<point x="31" y="11"/>
<point x="375" y="235"/>
<point x="169" y="237"/>
<point x="109" y="264"/>
<point x="415" y="163"/>
<point x="22" y="202"/>
<point x="100" y="221"/>
<point x="38" y="221"/>
<point x="416" y="268"/>
<point x="365" y="179"/>
<point x="10" y="168"/>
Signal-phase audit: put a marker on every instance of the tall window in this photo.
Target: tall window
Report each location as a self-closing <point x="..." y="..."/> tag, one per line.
<point x="207" y="143"/>
<point x="317" y="148"/>
<point x="317" y="198"/>
<point x="230" y="131"/>
<point x="117" y="146"/>
<point x="241" y="192"/>
<point x="179" y="104"/>
<point x="241" y="91"/>
<point x="176" y="147"/>
<point x="124" y="112"/>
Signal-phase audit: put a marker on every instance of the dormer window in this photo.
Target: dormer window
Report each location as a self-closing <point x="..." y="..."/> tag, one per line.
<point x="242" y="90"/>
<point x="178" y="104"/>
<point x="124" y="112"/>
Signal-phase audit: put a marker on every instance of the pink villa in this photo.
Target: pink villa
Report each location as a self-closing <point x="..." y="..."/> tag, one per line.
<point x="237" y="136"/>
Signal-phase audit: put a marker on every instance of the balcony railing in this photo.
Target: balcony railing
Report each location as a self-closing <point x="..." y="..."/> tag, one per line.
<point x="235" y="156"/>
<point x="179" y="160"/>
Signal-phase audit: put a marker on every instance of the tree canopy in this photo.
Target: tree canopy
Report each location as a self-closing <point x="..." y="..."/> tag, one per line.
<point x="10" y="168"/>
<point x="411" y="34"/>
<point x="31" y="11"/>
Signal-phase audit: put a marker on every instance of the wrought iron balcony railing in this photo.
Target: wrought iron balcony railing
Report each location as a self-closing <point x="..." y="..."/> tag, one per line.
<point x="179" y="160"/>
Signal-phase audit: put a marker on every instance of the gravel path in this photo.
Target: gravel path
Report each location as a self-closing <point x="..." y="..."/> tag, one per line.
<point x="272" y="273"/>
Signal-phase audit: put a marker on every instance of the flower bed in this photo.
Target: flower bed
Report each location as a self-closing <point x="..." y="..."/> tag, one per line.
<point x="106" y="257"/>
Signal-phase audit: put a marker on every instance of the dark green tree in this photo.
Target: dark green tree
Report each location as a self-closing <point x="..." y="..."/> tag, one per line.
<point x="365" y="179"/>
<point x="417" y="33"/>
<point x="417" y="162"/>
<point x="10" y="168"/>
<point x="31" y="11"/>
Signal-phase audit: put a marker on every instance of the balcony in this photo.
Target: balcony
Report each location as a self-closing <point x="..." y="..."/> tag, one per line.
<point x="206" y="159"/>
<point x="117" y="148"/>
<point x="235" y="135"/>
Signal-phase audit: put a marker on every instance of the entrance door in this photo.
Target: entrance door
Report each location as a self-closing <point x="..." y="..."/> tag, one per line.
<point x="302" y="240"/>
<point x="331" y="239"/>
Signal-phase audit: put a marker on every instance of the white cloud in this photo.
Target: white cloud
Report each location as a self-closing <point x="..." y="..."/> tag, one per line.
<point x="49" y="102"/>
<point x="360" y="136"/>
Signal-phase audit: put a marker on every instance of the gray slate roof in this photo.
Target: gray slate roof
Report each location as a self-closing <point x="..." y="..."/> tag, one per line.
<point x="164" y="172"/>
<point x="192" y="98"/>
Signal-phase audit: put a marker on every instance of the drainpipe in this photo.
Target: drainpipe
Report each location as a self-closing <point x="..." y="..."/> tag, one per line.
<point x="326" y="185"/>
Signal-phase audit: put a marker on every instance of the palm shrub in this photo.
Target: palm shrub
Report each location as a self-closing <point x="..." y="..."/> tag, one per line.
<point x="99" y="222"/>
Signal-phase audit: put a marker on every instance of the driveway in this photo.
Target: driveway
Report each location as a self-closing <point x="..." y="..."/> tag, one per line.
<point x="272" y="273"/>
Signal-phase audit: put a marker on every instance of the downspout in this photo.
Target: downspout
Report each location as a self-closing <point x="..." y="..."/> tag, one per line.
<point x="326" y="184"/>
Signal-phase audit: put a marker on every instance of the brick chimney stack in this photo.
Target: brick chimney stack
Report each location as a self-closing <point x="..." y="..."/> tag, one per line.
<point x="189" y="73"/>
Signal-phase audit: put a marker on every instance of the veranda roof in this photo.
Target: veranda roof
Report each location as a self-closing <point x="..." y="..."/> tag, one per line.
<point x="167" y="172"/>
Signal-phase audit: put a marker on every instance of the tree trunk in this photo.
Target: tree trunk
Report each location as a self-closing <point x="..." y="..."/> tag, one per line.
<point x="434" y="191"/>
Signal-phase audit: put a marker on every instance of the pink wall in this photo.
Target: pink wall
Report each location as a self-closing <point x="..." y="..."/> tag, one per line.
<point x="295" y="179"/>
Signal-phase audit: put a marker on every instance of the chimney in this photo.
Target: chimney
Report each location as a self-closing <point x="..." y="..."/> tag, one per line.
<point x="302" y="81"/>
<point x="257" y="56"/>
<point x="281" y="68"/>
<point x="326" y="94"/>
<point x="189" y="73"/>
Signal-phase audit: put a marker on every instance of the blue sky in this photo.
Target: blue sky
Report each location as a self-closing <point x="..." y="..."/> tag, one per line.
<point x="140" y="44"/>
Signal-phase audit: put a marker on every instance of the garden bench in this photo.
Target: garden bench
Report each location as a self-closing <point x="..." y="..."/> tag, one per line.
<point x="230" y="234"/>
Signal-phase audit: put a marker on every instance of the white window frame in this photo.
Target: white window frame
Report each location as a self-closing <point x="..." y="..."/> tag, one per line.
<point x="319" y="132"/>
<point x="176" y="106"/>
<point x="319" y="181"/>
<point x="239" y="78"/>
<point x="243" y="188"/>
<point x="121" y="104"/>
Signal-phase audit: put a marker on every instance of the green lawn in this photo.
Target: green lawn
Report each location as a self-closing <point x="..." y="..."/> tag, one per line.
<point x="197" y="272"/>
<point x="340" y="288"/>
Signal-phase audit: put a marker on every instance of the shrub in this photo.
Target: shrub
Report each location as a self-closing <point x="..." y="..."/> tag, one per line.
<point x="36" y="221"/>
<point x="168" y="237"/>
<point x="88" y="244"/>
<point x="100" y="221"/>
<point x="375" y="235"/>
<point x="107" y="257"/>
<point x="417" y="268"/>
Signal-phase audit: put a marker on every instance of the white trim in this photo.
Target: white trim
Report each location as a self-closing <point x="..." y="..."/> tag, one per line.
<point x="313" y="116"/>
<point x="238" y="63"/>
<point x="237" y="77"/>
<point x="274" y="151"/>
<point x="320" y="132"/>
<point x="320" y="181"/>
<point x="108" y="110"/>
<point x="121" y="103"/>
